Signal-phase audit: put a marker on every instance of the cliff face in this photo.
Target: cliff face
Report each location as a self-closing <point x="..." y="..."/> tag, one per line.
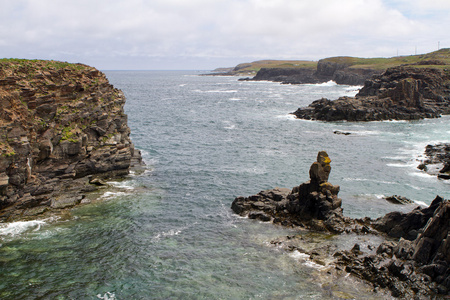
<point x="402" y="93"/>
<point x="60" y="124"/>
<point x="326" y="70"/>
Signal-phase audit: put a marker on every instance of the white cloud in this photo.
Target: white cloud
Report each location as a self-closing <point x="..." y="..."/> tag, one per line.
<point x="111" y="30"/>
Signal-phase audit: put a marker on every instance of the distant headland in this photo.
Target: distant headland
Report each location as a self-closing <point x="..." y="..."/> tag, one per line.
<point x="398" y="88"/>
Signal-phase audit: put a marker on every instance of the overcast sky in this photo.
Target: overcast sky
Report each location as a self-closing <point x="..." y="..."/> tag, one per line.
<point x="205" y="34"/>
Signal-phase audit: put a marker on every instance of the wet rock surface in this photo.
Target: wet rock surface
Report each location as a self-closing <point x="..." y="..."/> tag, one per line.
<point x="411" y="258"/>
<point x="437" y="160"/>
<point x="400" y="93"/>
<point x="60" y="125"/>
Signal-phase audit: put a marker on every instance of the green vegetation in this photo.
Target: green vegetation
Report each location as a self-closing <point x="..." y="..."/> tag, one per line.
<point x="438" y="59"/>
<point x="43" y="64"/>
<point x="67" y="134"/>
<point x="255" y="66"/>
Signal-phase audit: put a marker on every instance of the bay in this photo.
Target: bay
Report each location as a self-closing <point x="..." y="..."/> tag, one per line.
<point x="169" y="233"/>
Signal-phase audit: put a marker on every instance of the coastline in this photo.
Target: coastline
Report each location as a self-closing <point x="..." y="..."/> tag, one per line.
<point x="413" y="244"/>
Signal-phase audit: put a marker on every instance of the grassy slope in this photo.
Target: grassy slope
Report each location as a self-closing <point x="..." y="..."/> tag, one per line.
<point x="379" y="63"/>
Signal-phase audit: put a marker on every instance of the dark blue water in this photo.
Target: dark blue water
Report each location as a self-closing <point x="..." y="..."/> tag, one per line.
<point x="169" y="233"/>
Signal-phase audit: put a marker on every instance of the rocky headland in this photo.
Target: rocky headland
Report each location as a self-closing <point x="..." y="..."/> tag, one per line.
<point x="339" y="71"/>
<point x="63" y="131"/>
<point x="413" y="260"/>
<point x="400" y="93"/>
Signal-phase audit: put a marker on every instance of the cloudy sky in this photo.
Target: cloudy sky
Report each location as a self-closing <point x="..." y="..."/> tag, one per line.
<point x="205" y="34"/>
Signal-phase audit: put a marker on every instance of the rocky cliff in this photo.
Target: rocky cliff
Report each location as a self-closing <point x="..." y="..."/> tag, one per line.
<point x="62" y="127"/>
<point x="401" y="93"/>
<point x="341" y="73"/>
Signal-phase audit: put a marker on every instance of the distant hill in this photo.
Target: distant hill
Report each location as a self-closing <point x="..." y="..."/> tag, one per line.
<point x="436" y="59"/>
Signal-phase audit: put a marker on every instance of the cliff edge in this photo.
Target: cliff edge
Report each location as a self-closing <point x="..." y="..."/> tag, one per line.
<point x="62" y="128"/>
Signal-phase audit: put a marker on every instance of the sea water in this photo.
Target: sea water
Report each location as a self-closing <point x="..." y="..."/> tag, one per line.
<point x="169" y="233"/>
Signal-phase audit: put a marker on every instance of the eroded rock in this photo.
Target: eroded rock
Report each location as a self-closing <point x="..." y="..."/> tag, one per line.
<point x="60" y="122"/>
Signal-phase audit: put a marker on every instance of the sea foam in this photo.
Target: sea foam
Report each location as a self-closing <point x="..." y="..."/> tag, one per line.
<point x="19" y="227"/>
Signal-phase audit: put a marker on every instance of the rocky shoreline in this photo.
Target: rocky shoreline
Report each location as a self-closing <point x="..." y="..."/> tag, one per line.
<point x="63" y="132"/>
<point x="437" y="161"/>
<point x="326" y="70"/>
<point x="412" y="262"/>
<point x="400" y="93"/>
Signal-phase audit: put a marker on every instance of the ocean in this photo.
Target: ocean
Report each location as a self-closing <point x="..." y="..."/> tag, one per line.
<point x="169" y="232"/>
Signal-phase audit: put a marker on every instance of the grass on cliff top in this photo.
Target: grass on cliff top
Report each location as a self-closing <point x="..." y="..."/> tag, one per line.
<point x="378" y="63"/>
<point x="441" y="56"/>
<point x="43" y="64"/>
<point x="255" y="66"/>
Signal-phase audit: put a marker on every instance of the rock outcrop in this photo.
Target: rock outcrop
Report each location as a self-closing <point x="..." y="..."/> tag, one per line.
<point x="417" y="264"/>
<point x="437" y="161"/>
<point x="313" y="205"/>
<point x="414" y="260"/>
<point x="61" y="125"/>
<point x="326" y="70"/>
<point x="400" y="93"/>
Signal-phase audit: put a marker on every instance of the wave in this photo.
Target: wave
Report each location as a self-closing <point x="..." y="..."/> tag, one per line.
<point x="19" y="227"/>
<point x="216" y="91"/>
<point x="328" y="83"/>
<point x="286" y="117"/>
<point x="111" y="195"/>
<point x="371" y="180"/>
<point x="305" y="260"/>
<point x="107" y="296"/>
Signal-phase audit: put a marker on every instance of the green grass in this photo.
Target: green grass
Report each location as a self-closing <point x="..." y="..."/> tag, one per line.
<point x="44" y="64"/>
<point x="377" y="63"/>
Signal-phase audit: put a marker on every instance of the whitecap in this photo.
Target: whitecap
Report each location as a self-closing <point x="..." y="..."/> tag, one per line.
<point x="305" y="260"/>
<point x="421" y="203"/>
<point x="126" y="185"/>
<point x="328" y="83"/>
<point x="170" y="232"/>
<point x="107" y="296"/>
<point x="399" y="165"/>
<point x="286" y="117"/>
<point x="16" y="228"/>
<point x="109" y="195"/>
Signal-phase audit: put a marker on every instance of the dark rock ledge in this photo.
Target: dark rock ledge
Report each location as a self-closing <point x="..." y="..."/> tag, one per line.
<point x="63" y="131"/>
<point x="437" y="161"/>
<point x="400" y="93"/>
<point x="413" y="261"/>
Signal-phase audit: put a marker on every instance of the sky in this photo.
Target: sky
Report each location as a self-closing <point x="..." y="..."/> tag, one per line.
<point x="206" y="34"/>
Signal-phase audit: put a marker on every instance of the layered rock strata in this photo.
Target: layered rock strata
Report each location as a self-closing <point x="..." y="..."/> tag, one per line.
<point x="61" y="126"/>
<point x="414" y="260"/>
<point x="400" y="93"/>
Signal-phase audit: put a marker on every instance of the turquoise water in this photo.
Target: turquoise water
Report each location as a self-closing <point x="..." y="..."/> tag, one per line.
<point x="169" y="233"/>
